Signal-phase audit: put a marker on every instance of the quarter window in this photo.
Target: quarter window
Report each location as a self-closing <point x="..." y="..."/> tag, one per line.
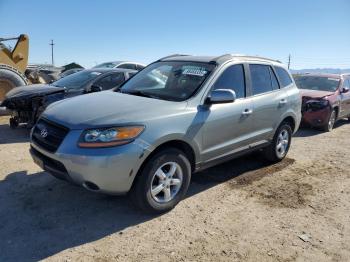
<point x="261" y="79"/>
<point x="232" y="78"/>
<point x="283" y="76"/>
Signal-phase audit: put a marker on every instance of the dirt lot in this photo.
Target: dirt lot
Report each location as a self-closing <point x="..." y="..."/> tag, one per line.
<point x="244" y="210"/>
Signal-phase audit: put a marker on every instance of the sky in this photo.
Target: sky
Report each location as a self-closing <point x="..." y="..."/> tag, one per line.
<point x="315" y="33"/>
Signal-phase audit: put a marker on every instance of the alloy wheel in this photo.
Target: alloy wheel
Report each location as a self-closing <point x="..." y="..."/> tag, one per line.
<point x="166" y="182"/>
<point x="282" y="143"/>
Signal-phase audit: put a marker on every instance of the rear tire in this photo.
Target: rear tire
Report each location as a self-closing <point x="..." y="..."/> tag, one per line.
<point x="280" y="145"/>
<point x="9" y="78"/>
<point x="163" y="182"/>
<point x="14" y="122"/>
<point x="331" y="121"/>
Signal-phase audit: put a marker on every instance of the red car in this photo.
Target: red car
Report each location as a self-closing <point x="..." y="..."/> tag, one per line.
<point x="326" y="99"/>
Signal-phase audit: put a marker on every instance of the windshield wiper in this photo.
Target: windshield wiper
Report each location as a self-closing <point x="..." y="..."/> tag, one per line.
<point x="137" y="93"/>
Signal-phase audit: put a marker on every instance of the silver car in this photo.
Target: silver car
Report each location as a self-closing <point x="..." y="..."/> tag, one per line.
<point x="179" y="115"/>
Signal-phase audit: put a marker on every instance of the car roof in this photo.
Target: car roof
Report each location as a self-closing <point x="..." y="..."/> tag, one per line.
<point x="107" y="70"/>
<point x="220" y="59"/>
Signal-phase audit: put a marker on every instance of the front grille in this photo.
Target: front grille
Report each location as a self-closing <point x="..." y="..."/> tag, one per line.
<point x="49" y="135"/>
<point x="52" y="166"/>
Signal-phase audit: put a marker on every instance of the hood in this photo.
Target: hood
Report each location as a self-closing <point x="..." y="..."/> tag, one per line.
<point x="315" y="93"/>
<point x="109" y="108"/>
<point x="29" y="90"/>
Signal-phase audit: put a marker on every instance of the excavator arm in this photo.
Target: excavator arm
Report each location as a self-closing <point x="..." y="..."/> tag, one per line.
<point x="18" y="57"/>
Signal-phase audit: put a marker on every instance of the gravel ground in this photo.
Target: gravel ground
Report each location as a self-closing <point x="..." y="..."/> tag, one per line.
<point x="244" y="210"/>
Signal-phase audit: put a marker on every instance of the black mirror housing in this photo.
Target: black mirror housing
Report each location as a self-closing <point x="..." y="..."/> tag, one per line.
<point x="221" y="96"/>
<point x="345" y="90"/>
<point x="95" y="88"/>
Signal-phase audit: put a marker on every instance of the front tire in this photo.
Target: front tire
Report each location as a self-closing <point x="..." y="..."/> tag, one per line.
<point x="331" y="121"/>
<point x="163" y="182"/>
<point x="280" y="145"/>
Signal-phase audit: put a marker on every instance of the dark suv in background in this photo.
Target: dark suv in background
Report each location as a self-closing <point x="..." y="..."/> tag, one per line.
<point x="325" y="99"/>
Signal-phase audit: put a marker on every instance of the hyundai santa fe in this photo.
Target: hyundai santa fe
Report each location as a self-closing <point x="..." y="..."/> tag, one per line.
<point x="179" y="115"/>
<point x="325" y="99"/>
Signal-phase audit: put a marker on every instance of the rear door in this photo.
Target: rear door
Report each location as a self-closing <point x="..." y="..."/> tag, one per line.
<point x="269" y="101"/>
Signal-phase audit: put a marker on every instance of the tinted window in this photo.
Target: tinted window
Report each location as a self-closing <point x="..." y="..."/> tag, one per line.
<point x="261" y="79"/>
<point x="111" y="81"/>
<point x="283" y="76"/>
<point x="232" y="78"/>
<point x="274" y="80"/>
<point x="127" y="66"/>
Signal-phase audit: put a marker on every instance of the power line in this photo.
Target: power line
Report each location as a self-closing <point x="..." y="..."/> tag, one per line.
<point x="289" y="58"/>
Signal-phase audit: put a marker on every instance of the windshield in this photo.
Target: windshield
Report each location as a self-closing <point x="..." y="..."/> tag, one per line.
<point x="319" y="83"/>
<point x="174" y="81"/>
<point x="77" y="80"/>
<point x="106" y="65"/>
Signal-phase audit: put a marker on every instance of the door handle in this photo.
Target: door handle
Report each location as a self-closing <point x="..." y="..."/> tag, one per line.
<point x="247" y="112"/>
<point x="283" y="101"/>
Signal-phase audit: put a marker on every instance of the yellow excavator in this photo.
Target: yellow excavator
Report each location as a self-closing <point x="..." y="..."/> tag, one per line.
<point x="13" y="64"/>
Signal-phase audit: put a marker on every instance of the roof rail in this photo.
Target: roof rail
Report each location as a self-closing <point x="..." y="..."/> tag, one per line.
<point x="256" y="57"/>
<point x="169" y="56"/>
<point x="225" y="57"/>
<point x="221" y="58"/>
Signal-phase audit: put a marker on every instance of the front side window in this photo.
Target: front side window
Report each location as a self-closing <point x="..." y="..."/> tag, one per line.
<point x="261" y="79"/>
<point x="319" y="83"/>
<point x="283" y="76"/>
<point x="169" y="80"/>
<point x="77" y="80"/>
<point x="347" y="83"/>
<point x="110" y="81"/>
<point x="232" y="78"/>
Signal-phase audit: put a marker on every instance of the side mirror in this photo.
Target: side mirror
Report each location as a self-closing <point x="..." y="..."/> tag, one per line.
<point x="221" y="96"/>
<point x="345" y="90"/>
<point x="94" y="89"/>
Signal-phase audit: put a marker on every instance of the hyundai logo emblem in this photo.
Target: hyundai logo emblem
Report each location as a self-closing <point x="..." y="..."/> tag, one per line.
<point x="44" y="133"/>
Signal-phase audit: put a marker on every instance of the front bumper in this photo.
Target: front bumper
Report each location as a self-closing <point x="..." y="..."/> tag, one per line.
<point x="317" y="118"/>
<point x="108" y="170"/>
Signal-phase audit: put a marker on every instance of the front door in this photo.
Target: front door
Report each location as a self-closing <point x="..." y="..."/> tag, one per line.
<point x="344" y="100"/>
<point x="228" y="127"/>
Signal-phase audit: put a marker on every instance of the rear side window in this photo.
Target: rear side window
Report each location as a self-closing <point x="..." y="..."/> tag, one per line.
<point x="232" y="78"/>
<point x="283" y="76"/>
<point x="274" y="80"/>
<point x="261" y="79"/>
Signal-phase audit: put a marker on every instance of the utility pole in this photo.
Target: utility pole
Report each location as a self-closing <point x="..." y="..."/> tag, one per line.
<point x="289" y="58"/>
<point x="52" y="44"/>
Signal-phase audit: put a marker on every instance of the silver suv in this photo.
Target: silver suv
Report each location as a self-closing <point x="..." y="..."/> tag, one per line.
<point x="179" y="115"/>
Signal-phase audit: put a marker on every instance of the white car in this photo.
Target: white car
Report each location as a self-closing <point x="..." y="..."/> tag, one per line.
<point x="121" y="64"/>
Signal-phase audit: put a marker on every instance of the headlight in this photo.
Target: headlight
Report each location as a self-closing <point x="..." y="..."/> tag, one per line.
<point x="107" y="137"/>
<point x="317" y="104"/>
